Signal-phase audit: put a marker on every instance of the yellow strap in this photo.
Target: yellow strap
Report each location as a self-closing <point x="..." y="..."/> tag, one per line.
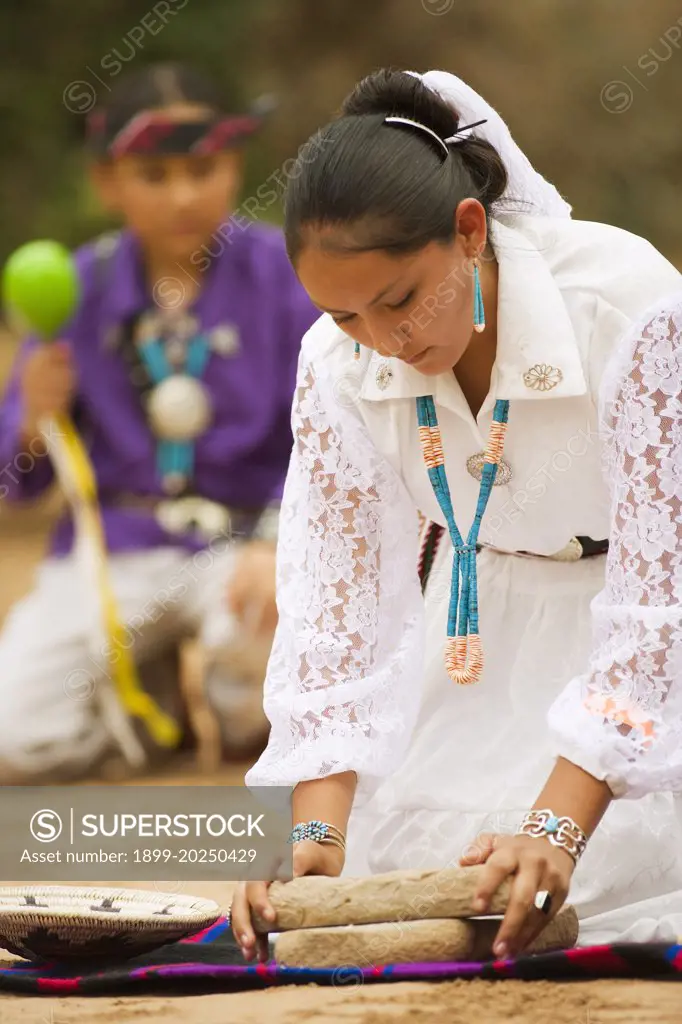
<point x="137" y="702"/>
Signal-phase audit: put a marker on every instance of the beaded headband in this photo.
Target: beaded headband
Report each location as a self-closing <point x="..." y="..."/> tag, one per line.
<point x="443" y="143"/>
<point x="154" y="132"/>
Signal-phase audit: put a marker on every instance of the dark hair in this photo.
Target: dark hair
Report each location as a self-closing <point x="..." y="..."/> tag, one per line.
<point x="393" y="187"/>
<point x="152" y="86"/>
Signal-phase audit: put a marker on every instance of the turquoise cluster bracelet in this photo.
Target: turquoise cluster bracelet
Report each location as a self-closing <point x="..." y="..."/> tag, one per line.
<point x="318" y="832"/>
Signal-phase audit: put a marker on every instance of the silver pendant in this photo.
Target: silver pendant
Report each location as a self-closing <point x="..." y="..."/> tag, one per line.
<point x="384" y="376"/>
<point x="475" y="465"/>
<point x="179" y="408"/>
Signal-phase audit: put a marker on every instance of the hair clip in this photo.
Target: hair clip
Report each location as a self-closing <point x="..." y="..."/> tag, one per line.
<point x="443" y="143"/>
<point x="420" y="127"/>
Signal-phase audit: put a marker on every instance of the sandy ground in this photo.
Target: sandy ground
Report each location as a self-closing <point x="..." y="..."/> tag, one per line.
<point x="21" y="543"/>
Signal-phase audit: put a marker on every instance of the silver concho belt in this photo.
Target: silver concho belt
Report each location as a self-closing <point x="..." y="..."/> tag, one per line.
<point x="191" y="515"/>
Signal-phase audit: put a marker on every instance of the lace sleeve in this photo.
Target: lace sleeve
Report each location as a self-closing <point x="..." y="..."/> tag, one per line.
<point x="622" y="721"/>
<point x="343" y="682"/>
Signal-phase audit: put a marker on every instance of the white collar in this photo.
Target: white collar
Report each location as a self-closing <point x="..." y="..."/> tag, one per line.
<point x="536" y="342"/>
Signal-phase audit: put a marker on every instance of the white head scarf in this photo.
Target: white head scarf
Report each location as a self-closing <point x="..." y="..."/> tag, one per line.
<point x="527" y="191"/>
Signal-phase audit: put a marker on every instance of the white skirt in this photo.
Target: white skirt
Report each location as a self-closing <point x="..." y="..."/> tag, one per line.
<point x="480" y="755"/>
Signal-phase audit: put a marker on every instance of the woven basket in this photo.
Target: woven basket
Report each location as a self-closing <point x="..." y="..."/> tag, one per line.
<point x="65" y="922"/>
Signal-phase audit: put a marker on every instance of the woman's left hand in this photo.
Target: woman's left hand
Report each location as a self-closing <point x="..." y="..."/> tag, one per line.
<point x="536" y="866"/>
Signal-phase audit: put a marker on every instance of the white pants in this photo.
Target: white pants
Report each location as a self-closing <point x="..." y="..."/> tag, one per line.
<point x="52" y="658"/>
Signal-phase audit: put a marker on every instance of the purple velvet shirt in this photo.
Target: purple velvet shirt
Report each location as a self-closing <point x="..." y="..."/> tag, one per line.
<point x="241" y="460"/>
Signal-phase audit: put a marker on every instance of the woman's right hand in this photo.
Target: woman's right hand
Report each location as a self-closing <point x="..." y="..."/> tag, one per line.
<point x="48" y="384"/>
<point x="309" y="859"/>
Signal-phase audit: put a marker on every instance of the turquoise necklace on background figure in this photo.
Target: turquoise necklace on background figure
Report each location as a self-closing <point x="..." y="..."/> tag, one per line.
<point x="175" y="355"/>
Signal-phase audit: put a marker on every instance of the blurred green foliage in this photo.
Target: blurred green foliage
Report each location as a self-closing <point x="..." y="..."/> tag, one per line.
<point x="549" y="66"/>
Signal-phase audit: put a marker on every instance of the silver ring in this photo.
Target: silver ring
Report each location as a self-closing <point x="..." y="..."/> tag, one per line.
<point x="543" y="901"/>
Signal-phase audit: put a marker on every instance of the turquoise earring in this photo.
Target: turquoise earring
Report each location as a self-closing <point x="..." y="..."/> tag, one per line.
<point x="356" y="353"/>
<point x="479" y="312"/>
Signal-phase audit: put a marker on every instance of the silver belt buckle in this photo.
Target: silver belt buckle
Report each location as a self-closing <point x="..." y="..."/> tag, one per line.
<point x="572" y="552"/>
<point x="181" y="516"/>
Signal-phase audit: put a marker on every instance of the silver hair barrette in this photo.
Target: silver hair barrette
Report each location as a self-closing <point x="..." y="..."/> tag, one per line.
<point x="443" y="143"/>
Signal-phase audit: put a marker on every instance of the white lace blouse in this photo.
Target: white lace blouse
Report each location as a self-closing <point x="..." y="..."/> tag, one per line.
<point x="344" y="678"/>
<point x="622" y="720"/>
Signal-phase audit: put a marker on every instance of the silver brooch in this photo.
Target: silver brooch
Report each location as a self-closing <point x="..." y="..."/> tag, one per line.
<point x="542" y="377"/>
<point x="384" y="376"/>
<point x="475" y="465"/>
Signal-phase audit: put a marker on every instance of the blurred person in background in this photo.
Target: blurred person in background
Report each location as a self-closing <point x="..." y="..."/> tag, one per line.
<point x="185" y="294"/>
<point x="463" y="302"/>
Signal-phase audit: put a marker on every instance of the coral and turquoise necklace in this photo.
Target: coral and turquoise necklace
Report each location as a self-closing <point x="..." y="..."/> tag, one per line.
<point x="463" y="652"/>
